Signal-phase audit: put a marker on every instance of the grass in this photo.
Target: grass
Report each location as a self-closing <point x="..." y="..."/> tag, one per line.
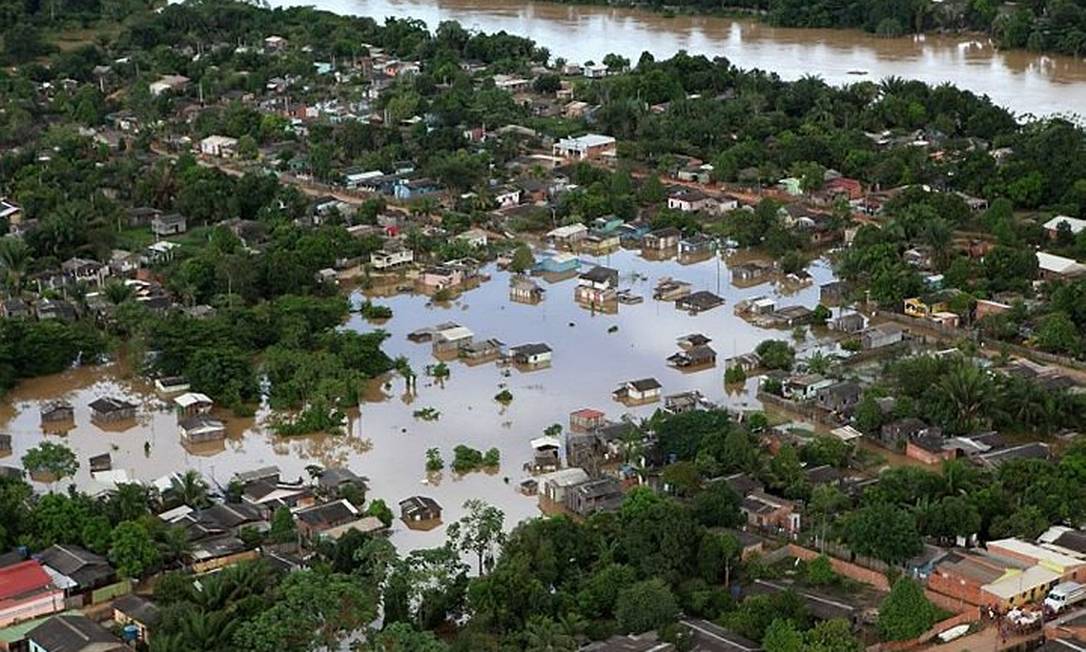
<point x="75" y="37"/>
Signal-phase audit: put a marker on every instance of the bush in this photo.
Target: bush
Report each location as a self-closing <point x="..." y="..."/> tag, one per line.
<point x="466" y="459"/>
<point x="733" y="375"/>
<point x="644" y="606"/>
<point x="505" y="397"/>
<point x="819" y="571"/>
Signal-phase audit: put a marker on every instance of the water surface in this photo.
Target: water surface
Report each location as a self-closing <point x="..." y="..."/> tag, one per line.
<point x="1024" y="82"/>
<point x="387" y="444"/>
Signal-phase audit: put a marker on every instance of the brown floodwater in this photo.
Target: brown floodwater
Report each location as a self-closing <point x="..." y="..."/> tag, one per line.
<point x="1024" y="82"/>
<point x="387" y="444"/>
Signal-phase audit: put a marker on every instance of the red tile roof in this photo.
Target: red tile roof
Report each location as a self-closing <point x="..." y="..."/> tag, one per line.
<point x="22" y="578"/>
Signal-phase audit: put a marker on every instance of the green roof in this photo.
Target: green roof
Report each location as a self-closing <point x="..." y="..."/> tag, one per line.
<point x="16" y="633"/>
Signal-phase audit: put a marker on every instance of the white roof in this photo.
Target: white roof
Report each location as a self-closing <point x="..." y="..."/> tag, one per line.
<point x="564" y="477"/>
<point x="545" y="442"/>
<point x="567" y="230"/>
<point x="846" y="433"/>
<point x="1033" y="551"/>
<point x="586" y="141"/>
<point x="1057" y="264"/>
<point x="1020" y="583"/>
<point x="219" y="140"/>
<point x="1076" y="224"/>
<point x="189" y="399"/>
<point x="163" y="246"/>
<point x="455" y="333"/>
<point x="176" y="514"/>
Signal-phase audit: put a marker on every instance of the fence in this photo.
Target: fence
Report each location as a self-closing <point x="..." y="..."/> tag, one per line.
<point x="963" y="618"/>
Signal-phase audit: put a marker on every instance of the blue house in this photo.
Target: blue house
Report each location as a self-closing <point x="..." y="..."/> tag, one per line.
<point x="406" y="189"/>
<point x="632" y="232"/>
<point x="558" y="263"/>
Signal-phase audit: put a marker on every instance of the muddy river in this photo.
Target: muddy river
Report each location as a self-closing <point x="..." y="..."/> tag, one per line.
<point x="1025" y="82"/>
<point x="387" y="443"/>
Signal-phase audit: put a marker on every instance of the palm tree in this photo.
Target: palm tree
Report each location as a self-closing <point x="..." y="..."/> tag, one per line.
<point x="129" y="501"/>
<point x="117" y="292"/>
<point x="208" y="631"/>
<point x="15" y="259"/>
<point x="189" y="488"/>
<point x="969" y="392"/>
<point x="545" y="635"/>
<point x="174" y="545"/>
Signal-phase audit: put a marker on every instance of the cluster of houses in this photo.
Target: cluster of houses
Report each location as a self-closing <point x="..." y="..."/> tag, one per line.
<point x="66" y="598"/>
<point x="450" y="341"/>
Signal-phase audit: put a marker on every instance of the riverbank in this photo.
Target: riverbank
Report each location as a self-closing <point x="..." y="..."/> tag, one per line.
<point x="1022" y="81"/>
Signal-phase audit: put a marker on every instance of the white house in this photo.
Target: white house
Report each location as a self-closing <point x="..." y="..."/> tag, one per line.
<point x="1053" y="266"/>
<point x="1052" y="227"/>
<point x="220" y="146"/>
<point x="531" y="354"/>
<point x="388" y="258"/>
<point x="507" y="196"/>
<point x="595" y="71"/>
<point x="474" y="237"/>
<point x="168" y="83"/>
<point x="585" y="147"/>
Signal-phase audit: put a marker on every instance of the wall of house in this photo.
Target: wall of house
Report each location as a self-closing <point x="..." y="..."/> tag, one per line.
<point x="956" y="588"/>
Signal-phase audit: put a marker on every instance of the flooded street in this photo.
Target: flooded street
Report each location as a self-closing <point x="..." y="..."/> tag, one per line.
<point x="1025" y="82"/>
<point x="387" y="443"/>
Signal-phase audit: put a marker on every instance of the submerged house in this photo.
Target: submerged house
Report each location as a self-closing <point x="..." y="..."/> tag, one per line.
<point x="597" y="285"/>
<point x="201" y="428"/>
<point x="700" y="356"/>
<point x="109" y="409"/>
<point x="524" y="290"/>
<point x="644" y="390"/>
<point x="420" y="508"/>
<point x="531" y="354"/>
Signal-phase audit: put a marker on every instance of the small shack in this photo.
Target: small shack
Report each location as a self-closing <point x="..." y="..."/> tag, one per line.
<point x="193" y="403"/>
<point x="109" y="409"/>
<point x="57" y="412"/>
<point x="201" y="428"/>
<point x="419" y="508"/>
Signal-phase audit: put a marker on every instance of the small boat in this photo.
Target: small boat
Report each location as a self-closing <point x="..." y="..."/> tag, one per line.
<point x="953" y="633"/>
<point x="857" y="72"/>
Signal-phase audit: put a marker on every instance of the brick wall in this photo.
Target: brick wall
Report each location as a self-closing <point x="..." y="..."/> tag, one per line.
<point x="956" y="588"/>
<point x="852" y="571"/>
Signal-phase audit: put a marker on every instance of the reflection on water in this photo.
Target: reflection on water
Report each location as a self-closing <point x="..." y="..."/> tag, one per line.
<point x="1023" y="81"/>
<point x="387" y="443"/>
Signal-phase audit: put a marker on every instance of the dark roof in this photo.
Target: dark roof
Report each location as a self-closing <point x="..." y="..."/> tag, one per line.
<point x="844" y="389"/>
<point x="108" y="404"/>
<point x="326" y="513"/>
<point x="1063" y="645"/>
<point x="530" y="349"/>
<point x="1072" y="540"/>
<point x="647" y="642"/>
<point x="645" y="384"/>
<point x="336" y="477"/>
<point x="702" y="299"/>
<point x="710" y="637"/>
<point x="666" y="232"/>
<point x="1031" y="451"/>
<point x="73" y="633"/>
<point x="82" y="566"/>
<point x="600" y="274"/>
<point x="137" y="608"/>
<point x="228" y="516"/>
<point x="416" y="504"/>
<point x="743" y="484"/>
<point x="695" y="339"/>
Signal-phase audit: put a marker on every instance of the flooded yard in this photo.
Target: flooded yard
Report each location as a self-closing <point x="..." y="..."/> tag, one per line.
<point x="387" y="444"/>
